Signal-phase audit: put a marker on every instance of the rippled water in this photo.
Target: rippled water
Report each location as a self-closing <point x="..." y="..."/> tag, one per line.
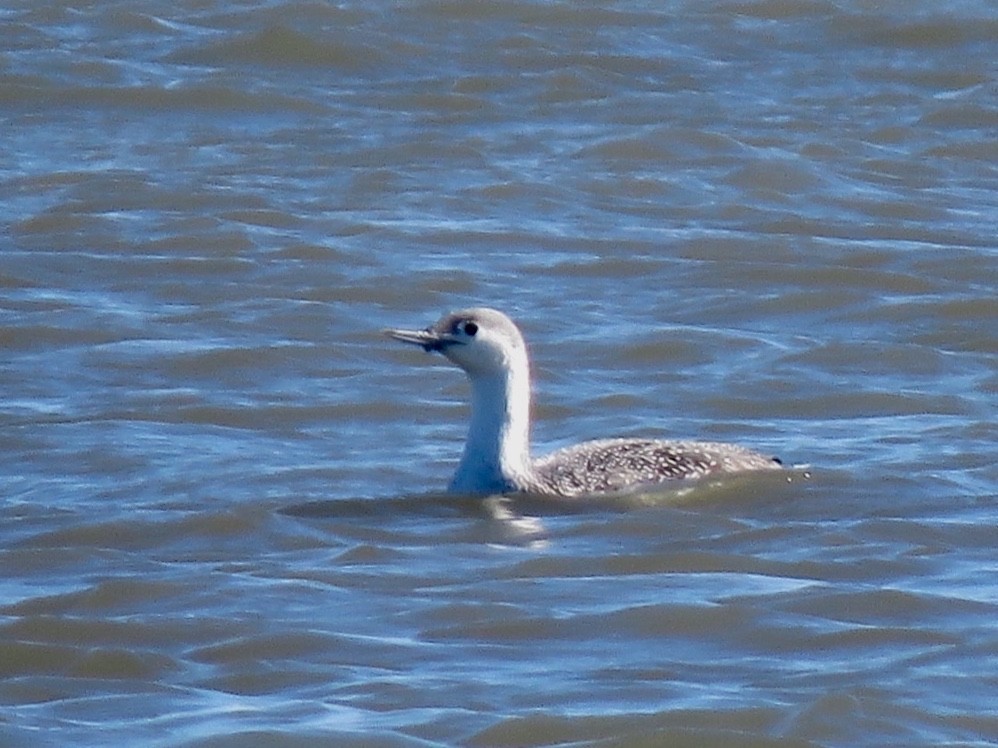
<point x="769" y="222"/>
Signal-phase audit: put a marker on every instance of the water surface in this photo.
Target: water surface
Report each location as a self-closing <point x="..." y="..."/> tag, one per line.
<point x="769" y="222"/>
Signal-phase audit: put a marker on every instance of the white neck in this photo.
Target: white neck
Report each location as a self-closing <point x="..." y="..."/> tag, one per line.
<point x="496" y="454"/>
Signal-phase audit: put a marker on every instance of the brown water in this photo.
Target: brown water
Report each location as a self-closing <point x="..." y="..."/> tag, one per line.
<point x="765" y="222"/>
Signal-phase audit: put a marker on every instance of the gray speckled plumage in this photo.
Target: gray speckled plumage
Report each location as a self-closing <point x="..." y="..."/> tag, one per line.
<point x="496" y="458"/>
<point x="605" y="465"/>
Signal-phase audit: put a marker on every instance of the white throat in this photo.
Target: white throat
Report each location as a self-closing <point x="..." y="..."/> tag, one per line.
<point x="496" y="454"/>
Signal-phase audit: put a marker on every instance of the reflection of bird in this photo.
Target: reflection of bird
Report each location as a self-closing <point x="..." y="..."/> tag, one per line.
<point x="489" y="347"/>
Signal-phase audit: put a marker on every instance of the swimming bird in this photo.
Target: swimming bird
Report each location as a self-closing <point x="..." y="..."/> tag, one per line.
<point x="496" y="459"/>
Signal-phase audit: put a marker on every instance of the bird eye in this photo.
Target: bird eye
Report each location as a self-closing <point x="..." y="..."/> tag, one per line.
<point x="470" y="328"/>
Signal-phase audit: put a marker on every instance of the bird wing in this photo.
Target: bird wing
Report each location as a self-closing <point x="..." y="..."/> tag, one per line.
<point x="618" y="464"/>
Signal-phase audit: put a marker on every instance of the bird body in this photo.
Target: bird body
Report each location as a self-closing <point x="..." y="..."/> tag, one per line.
<point x="496" y="457"/>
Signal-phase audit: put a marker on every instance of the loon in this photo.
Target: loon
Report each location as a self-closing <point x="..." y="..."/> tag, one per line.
<point x="496" y="459"/>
